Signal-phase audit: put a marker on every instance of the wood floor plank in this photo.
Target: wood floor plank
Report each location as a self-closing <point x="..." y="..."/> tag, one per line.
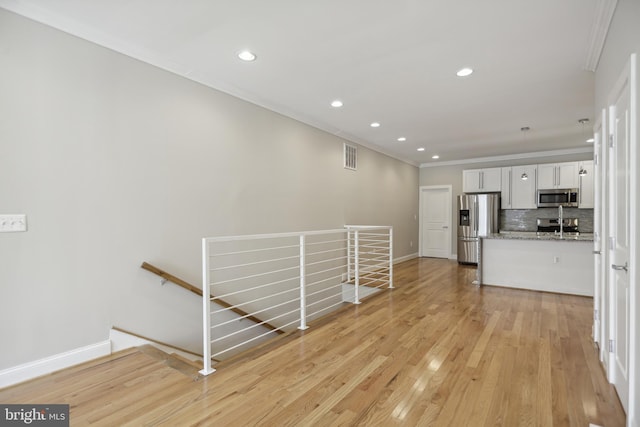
<point x="436" y="350"/>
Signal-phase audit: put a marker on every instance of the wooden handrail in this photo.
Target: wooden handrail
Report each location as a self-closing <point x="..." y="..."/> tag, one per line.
<point x="188" y="286"/>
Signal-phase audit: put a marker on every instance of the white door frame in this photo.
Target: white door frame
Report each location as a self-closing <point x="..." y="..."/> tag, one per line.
<point x="633" y="416"/>
<point x="449" y="189"/>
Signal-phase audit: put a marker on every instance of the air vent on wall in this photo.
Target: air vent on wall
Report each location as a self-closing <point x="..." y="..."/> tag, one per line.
<point x="350" y="157"/>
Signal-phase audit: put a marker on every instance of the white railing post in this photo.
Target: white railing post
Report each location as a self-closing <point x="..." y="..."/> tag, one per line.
<point x="303" y="296"/>
<point x="356" y="297"/>
<point x="390" y="257"/>
<point x="348" y="255"/>
<point x="206" y="312"/>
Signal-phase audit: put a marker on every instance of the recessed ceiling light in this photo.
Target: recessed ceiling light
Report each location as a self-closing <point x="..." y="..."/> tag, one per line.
<point x="402" y="139"/>
<point x="421" y="149"/>
<point x="336" y="103"/>
<point x="375" y="125"/>
<point x="464" y="72"/>
<point x="590" y="140"/>
<point x="435" y="157"/>
<point x="246" y="55"/>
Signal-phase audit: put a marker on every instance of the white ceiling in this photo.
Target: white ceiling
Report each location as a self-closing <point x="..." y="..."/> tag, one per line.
<point x="389" y="61"/>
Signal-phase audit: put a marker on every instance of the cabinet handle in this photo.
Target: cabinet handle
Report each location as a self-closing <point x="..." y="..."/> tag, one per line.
<point x="510" y="188"/>
<point x="535" y="185"/>
<point x="621" y="267"/>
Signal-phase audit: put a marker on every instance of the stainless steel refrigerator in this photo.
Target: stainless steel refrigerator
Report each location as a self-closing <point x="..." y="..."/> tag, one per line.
<point x="478" y="215"/>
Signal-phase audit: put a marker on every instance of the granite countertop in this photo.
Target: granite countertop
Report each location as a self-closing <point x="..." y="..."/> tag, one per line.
<point x="532" y="235"/>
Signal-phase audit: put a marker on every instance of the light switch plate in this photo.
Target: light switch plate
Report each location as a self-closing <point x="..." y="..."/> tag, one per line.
<point x="11" y="223"/>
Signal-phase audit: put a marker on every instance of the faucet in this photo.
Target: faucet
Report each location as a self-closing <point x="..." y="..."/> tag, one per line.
<point x="560" y="221"/>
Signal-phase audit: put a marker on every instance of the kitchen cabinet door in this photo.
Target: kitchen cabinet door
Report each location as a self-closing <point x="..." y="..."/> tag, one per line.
<point x="481" y="180"/>
<point x="567" y="175"/>
<point x="471" y="180"/>
<point x="523" y="191"/>
<point x="558" y="175"/>
<point x="547" y="176"/>
<point x="586" y="193"/>
<point x="491" y="179"/>
<point x="505" y="194"/>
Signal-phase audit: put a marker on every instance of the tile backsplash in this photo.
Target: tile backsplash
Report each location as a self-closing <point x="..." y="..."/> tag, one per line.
<point x="525" y="219"/>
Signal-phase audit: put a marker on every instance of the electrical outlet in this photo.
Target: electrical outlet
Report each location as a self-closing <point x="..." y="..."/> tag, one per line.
<point x="556" y="259"/>
<point x="10" y="223"/>
<point x="411" y="244"/>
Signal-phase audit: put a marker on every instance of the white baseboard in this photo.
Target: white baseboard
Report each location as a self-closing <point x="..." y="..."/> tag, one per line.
<point x="50" y="364"/>
<point x="405" y="258"/>
<point x="453" y="256"/>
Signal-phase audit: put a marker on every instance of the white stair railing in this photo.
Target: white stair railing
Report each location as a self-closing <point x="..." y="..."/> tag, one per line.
<point x="286" y="280"/>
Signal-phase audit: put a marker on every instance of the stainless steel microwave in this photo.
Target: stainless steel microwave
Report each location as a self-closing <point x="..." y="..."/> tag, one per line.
<point x="567" y="197"/>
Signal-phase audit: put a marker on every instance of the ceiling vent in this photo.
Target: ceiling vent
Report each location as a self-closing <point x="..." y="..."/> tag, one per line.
<point x="350" y="157"/>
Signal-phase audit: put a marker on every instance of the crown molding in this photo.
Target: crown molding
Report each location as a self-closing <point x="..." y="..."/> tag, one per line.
<point x="537" y="154"/>
<point x="599" y="29"/>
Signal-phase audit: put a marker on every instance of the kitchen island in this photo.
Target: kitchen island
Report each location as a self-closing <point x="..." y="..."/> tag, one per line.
<point x="542" y="262"/>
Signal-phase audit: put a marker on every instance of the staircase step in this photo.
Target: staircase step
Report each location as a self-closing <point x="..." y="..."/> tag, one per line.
<point x="173" y="361"/>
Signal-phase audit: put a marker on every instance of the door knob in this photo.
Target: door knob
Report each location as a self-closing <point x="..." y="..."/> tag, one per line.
<point x="620" y="267"/>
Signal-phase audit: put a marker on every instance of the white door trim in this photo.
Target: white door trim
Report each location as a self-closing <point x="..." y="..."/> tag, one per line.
<point x="449" y="189"/>
<point x="634" y="256"/>
<point x="628" y="77"/>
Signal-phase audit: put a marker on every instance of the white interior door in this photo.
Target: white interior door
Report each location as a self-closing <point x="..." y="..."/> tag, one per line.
<point x="435" y="221"/>
<point x="619" y="230"/>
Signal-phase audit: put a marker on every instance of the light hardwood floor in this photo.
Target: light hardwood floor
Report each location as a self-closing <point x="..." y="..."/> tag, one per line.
<point x="434" y="351"/>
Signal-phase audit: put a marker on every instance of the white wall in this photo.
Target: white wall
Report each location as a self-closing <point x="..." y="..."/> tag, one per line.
<point x="623" y="39"/>
<point x="116" y="162"/>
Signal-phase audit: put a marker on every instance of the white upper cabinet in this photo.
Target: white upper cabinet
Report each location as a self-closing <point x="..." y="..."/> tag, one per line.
<point x="558" y="175"/>
<point x="519" y="187"/>
<point x="586" y="194"/>
<point x="481" y="180"/>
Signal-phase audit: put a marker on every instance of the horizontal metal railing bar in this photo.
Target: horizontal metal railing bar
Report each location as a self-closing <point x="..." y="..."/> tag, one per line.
<point x="277" y="282"/>
<point x="324" y="290"/>
<point x="373" y="269"/>
<point x="256" y="300"/>
<point x="315" y="273"/>
<point x="371" y="274"/>
<point x="326" y="252"/>
<point x="364" y="245"/>
<point x="235" y="319"/>
<point x="372" y="237"/>
<point x="228" y="267"/>
<point x="318" y="282"/>
<point x="274" y="235"/>
<point x="326" y="308"/>
<point x="249" y="251"/>
<point x="369" y="282"/>
<point x="249" y="340"/>
<point x="326" y="241"/>
<point x="249" y="327"/>
<point x="253" y="276"/>
<point x="373" y="259"/>
<point x="326" y="260"/>
<point x="370" y="227"/>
